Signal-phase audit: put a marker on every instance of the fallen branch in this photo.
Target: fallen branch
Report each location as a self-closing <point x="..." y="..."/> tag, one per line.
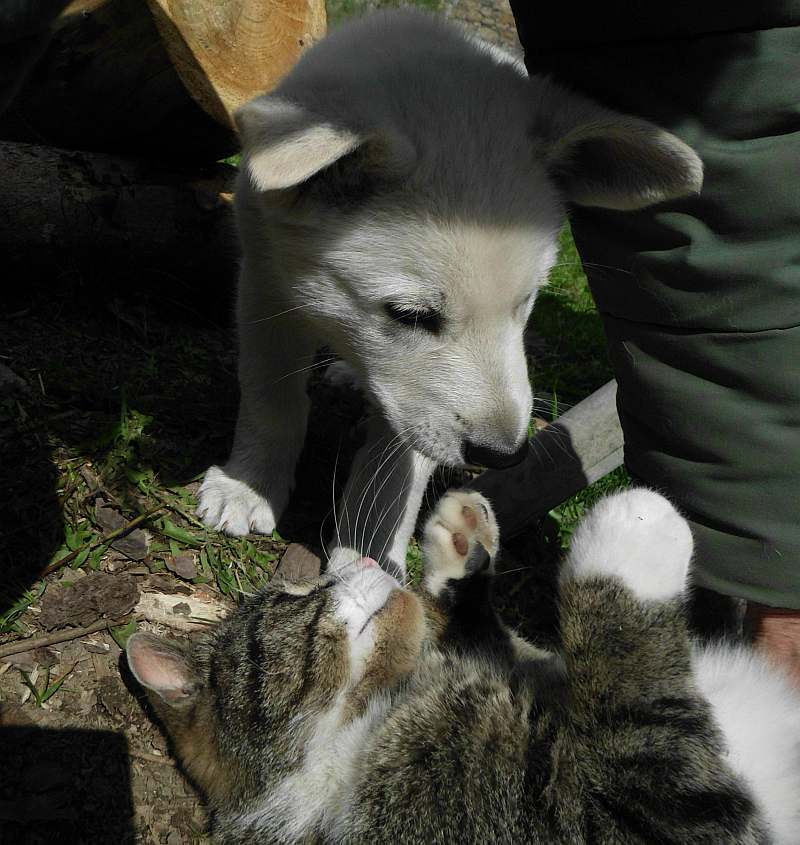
<point x="62" y="636"/>
<point x="150" y="758"/>
<point x="577" y="449"/>
<point x="106" y="540"/>
<point x="182" y="613"/>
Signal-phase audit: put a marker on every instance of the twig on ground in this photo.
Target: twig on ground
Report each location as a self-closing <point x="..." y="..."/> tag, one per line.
<point x="178" y="510"/>
<point x="66" y="495"/>
<point x="62" y="636"/>
<point x="150" y="758"/>
<point x="107" y="539"/>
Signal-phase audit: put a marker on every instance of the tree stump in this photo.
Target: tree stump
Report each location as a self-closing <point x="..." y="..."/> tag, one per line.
<point x="227" y="52"/>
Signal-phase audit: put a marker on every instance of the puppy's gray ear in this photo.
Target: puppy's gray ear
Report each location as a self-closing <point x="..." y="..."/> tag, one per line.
<point x="609" y="160"/>
<point x="162" y="668"/>
<point x="284" y="145"/>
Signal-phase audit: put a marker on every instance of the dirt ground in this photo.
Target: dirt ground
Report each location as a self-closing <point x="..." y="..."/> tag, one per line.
<point x="102" y="381"/>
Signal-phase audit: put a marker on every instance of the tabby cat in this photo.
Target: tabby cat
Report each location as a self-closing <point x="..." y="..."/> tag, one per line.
<point x="352" y="710"/>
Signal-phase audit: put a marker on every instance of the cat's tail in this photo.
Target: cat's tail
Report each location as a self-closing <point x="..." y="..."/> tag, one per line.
<point x="758" y="711"/>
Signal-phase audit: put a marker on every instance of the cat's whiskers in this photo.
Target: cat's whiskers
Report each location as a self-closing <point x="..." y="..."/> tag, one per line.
<point x="334" y="571"/>
<point x="346" y="514"/>
<point x="404" y="582"/>
<point x="400" y="514"/>
<point x="373" y="504"/>
<point x="388" y="451"/>
<point x="593" y="264"/>
<point x="511" y="571"/>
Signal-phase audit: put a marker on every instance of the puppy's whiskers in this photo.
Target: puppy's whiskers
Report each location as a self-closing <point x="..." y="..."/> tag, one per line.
<point x="275" y="316"/>
<point x="316" y="365"/>
<point x="398" y="445"/>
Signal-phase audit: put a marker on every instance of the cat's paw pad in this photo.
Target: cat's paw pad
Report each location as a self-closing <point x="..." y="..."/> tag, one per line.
<point x="460" y="538"/>
<point x="637" y="536"/>
<point x="229" y="505"/>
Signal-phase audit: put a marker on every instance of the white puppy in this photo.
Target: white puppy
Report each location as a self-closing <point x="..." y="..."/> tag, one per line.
<point x="400" y="195"/>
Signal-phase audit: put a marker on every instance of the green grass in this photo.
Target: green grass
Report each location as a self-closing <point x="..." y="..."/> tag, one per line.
<point x="414" y="562"/>
<point x="574" y="362"/>
<point x="234" y="565"/>
<point x="46" y="690"/>
<point x="10" y="622"/>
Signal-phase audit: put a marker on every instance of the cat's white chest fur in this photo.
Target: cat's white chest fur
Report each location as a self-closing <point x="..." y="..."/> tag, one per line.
<point x="317" y="795"/>
<point x="759" y="714"/>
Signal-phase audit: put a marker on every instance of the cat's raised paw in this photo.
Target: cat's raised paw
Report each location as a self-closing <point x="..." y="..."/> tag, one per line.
<point x="460" y="538"/>
<point x="637" y="536"/>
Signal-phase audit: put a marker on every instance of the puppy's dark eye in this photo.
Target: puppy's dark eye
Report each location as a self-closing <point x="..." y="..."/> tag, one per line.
<point x="415" y="318"/>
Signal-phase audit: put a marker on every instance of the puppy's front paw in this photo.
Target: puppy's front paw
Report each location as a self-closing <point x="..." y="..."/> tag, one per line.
<point x="460" y="538"/>
<point x="638" y="537"/>
<point x="229" y="505"/>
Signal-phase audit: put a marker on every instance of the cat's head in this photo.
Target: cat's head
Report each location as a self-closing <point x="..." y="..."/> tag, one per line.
<point x="294" y="669"/>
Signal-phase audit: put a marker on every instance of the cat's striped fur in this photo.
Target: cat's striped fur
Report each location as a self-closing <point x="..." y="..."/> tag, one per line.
<point x="353" y="711"/>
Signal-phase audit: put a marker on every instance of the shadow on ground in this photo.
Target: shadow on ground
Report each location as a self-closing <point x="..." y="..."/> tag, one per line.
<point x="66" y="786"/>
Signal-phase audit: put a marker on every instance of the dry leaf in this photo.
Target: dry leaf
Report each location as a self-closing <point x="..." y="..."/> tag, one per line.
<point x="183" y="565"/>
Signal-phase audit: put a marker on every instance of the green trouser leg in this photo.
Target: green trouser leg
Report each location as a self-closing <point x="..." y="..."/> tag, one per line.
<point x="701" y="298"/>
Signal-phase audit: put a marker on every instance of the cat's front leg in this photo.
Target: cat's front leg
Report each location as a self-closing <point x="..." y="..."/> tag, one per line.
<point x="621" y="599"/>
<point x="643" y="743"/>
<point x="637" y="538"/>
<point x="459" y="544"/>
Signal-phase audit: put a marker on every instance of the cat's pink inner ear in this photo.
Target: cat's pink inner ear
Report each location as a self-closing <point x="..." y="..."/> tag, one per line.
<point x="162" y="668"/>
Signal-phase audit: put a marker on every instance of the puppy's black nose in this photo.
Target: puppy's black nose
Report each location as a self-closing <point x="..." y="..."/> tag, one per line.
<point x="485" y="456"/>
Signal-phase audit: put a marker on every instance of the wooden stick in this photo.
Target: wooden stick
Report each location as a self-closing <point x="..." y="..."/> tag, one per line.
<point x="582" y="445"/>
<point x="108" y="538"/>
<point x="62" y="636"/>
<point x="150" y="758"/>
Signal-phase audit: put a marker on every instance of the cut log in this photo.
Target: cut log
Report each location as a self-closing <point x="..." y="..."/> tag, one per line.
<point x="64" y="211"/>
<point x="227" y="52"/>
<point x="107" y="82"/>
